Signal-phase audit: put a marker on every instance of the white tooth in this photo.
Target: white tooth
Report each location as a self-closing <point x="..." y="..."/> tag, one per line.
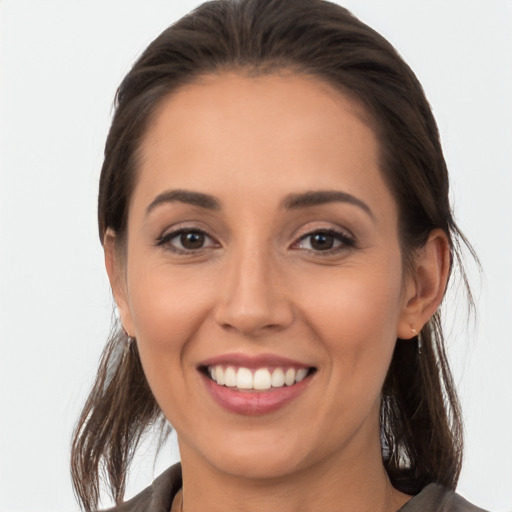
<point x="262" y="379"/>
<point x="230" y="377"/>
<point x="244" y="378"/>
<point x="301" y="374"/>
<point x="211" y="369"/>
<point x="277" y="378"/>
<point x="289" y="377"/>
<point x="219" y="374"/>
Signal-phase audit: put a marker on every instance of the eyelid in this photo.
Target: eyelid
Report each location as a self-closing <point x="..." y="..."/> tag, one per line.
<point x="324" y="227"/>
<point x="347" y="239"/>
<point x="169" y="234"/>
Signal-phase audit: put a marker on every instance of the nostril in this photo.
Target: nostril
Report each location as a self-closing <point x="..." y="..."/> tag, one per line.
<point x="249" y="322"/>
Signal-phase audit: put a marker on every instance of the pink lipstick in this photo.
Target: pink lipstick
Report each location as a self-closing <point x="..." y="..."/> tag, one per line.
<point x="254" y="385"/>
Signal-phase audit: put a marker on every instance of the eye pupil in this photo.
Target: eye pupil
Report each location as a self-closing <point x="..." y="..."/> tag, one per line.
<point x="322" y="241"/>
<point x="192" y="240"/>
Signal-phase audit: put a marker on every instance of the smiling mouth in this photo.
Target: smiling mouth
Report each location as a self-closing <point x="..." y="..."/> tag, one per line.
<point x="257" y="379"/>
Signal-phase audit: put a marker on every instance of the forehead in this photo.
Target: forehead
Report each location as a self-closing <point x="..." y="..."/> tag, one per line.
<point x="256" y="107"/>
<point x="282" y="130"/>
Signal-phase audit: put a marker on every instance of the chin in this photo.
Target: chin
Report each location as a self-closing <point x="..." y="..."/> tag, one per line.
<point x="260" y="465"/>
<point x="261" y="455"/>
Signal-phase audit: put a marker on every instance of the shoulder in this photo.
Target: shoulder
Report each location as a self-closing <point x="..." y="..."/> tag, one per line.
<point x="436" y="498"/>
<point x="157" y="497"/>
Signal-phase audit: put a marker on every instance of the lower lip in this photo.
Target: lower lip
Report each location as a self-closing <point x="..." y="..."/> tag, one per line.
<point x="254" y="403"/>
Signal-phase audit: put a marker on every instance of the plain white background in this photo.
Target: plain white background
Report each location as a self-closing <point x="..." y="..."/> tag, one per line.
<point x="61" y="62"/>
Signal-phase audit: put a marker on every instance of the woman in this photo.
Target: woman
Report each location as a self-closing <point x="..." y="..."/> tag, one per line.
<point x="274" y="212"/>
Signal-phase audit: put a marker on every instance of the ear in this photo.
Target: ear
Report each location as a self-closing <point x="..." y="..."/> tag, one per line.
<point x="115" y="266"/>
<point x="426" y="284"/>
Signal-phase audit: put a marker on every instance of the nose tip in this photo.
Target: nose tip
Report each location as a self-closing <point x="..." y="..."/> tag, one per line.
<point x="248" y="322"/>
<point x="253" y="302"/>
<point x="250" y="319"/>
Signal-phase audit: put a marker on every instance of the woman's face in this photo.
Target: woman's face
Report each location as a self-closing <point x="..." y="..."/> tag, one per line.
<point x="263" y="277"/>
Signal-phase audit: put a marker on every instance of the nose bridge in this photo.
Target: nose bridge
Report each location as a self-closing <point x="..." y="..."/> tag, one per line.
<point x="252" y="293"/>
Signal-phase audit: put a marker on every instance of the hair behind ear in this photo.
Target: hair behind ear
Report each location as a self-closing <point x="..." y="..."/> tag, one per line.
<point x="119" y="409"/>
<point x="421" y="423"/>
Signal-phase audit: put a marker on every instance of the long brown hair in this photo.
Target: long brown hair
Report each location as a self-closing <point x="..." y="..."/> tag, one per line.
<point x="421" y="429"/>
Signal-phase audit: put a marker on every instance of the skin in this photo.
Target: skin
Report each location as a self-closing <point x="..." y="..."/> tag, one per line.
<point x="258" y="286"/>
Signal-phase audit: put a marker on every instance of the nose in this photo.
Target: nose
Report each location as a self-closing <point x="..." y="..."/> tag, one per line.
<point x="253" y="299"/>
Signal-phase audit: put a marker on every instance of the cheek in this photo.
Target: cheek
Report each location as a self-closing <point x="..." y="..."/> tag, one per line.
<point x="165" y="304"/>
<point x="355" y="315"/>
<point x="167" y="310"/>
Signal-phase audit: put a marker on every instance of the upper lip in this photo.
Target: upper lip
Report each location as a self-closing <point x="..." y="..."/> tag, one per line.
<point x="253" y="361"/>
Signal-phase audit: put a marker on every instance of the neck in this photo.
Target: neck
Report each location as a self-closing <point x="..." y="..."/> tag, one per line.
<point x="358" y="484"/>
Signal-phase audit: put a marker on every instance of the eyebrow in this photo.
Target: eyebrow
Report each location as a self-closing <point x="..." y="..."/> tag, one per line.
<point x="291" y="202"/>
<point x="185" y="196"/>
<point x="320" y="197"/>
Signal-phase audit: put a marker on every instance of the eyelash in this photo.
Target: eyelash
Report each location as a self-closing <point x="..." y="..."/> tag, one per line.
<point x="345" y="241"/>
<point x="165" y="240"/>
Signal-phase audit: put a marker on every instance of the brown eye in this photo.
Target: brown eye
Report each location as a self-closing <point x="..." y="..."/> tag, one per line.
<point x="192" y="240"/>
<point x="185" y="241"/>
<point x="322" y="241"/>
<point x="328" y="241"/>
